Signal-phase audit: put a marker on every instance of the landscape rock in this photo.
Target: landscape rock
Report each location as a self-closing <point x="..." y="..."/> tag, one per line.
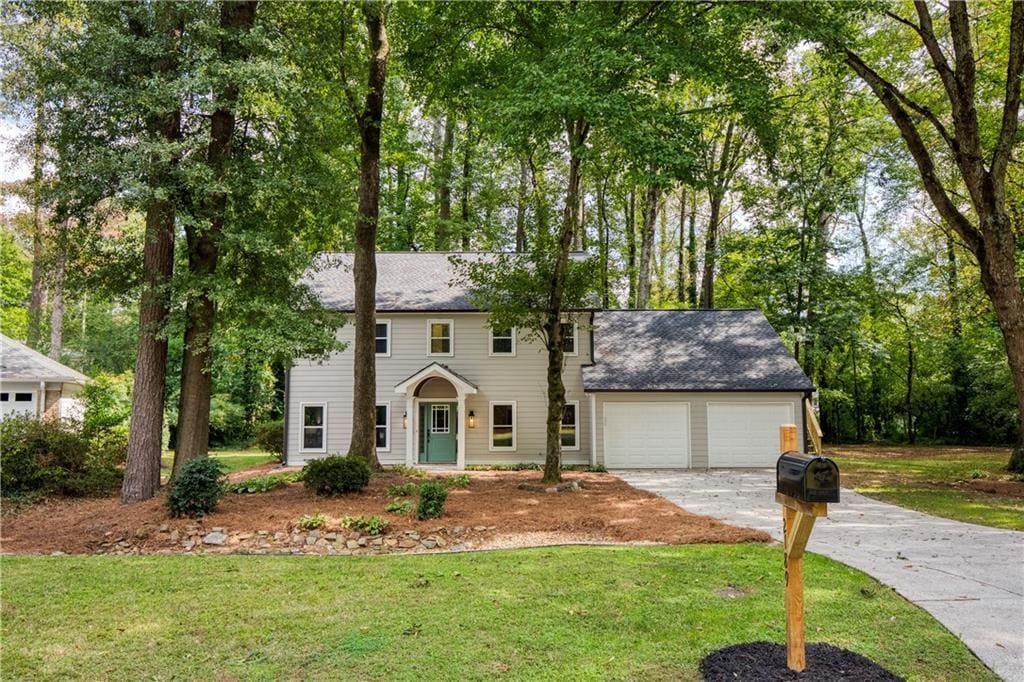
<point x="215" y="537"/>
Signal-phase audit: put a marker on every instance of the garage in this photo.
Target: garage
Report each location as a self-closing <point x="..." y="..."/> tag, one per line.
<point x="746" y="434"/>
<point x="647" y="435"/>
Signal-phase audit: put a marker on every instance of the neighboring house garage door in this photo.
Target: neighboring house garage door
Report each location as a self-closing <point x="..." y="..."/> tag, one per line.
<point x="646" y="435"/>
<point x="745" y="434"/>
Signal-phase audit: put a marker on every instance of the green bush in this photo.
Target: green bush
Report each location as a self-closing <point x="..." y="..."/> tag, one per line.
<point x="402" y="490"/>
<point x="336" y="475"/>
<point x="261" y="484"/>
<point x="55" y="457"/>
<point x="196" y="488"/>
<point x="227" y="422"/>
<point x="456" y="481"/>
<point x="311" y="521"/>
<point x="269" y="436"/>
<point x="372" y="525"/>
<point x="108" y="403"/>
<point x="403" y="470"/>
<point x="399" y="506"/>
<point x="432" y="498"/>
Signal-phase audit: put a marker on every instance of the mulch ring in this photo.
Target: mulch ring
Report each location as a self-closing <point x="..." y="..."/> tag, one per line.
<point x="766" y="662"/>
<point x="495" y="511"/>
<point x="1004" y="488"/>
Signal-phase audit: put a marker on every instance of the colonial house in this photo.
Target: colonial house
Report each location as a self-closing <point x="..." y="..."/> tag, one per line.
<point x="33" y="385"/>
<point x="644" y="388"/>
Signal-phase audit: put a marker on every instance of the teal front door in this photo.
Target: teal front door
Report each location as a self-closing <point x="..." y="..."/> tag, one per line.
<point x="438" y="432"/>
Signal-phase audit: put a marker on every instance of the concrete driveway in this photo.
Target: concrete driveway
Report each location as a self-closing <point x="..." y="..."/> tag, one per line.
<point x="971" y="578"/>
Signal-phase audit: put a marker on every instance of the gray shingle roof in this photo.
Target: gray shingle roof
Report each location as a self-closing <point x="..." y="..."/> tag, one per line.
<point x="406" y="281"/>
<point x="690" y="350"/>
<point x="18" y="362"/>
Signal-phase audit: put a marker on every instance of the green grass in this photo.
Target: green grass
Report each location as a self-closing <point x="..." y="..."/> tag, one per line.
<point x="233" y="459"/>
<point x="924" y="483"/>
<point x="555" y="613"/>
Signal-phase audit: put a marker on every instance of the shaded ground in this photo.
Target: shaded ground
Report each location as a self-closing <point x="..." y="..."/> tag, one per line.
<point x="574" y="613"/>
<point x="493" y="511"/>
<point x="766" y="662"/>
<point x="963" y="483"/>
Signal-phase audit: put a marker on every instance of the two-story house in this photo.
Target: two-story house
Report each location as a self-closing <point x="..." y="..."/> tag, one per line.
<point x="644" y="388"/>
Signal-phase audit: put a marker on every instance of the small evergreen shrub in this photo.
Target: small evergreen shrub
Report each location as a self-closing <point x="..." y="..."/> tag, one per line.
<point x="399" y="506"/>
<point x="402" y="490"/>
<point x="457" y="481"/>
<point x="336" y="475"/>
<point x="196" y="489"/>
<point x="269" y="436"/>
<point x="311" y="521"/>
<point x="371" y="525"/>
<point x="432" y="498"/>
<point x="598" y="469"/>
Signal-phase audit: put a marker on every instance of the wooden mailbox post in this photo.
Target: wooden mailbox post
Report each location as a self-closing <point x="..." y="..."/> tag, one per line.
<point x="798" y="515"/>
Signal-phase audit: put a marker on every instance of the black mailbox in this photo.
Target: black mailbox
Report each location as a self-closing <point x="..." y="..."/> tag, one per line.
<point x="807" y="477"/>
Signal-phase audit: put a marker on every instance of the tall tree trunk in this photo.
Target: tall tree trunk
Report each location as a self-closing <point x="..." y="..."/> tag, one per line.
<point x="442" y="232"/>
<point x="57" y="309"/>
<point x="521" y="200"/>
<point x="145" y="439"/>
<point x="723" y="171"/>
<point x="577" y="130"/>
<point x="602" y="226"/>
<point x="681" y="251"/>
<point x="236" y="20"/>
<point x="465" y="227"/>
<point x="958" y="375"/>
<point x="691" y="255"/>
<point x="37" y="297"/>
<point x="649" y="214"/>
<point x="368" y="118"/>
<point x="631" y="247"/>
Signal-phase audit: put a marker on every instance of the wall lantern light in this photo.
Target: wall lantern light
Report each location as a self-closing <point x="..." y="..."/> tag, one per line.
<point x="472" y="419"/>
<point x="405" y="420"/>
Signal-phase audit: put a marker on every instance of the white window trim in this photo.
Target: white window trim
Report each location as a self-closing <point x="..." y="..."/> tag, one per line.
<point x="490" y="345"/>
<point x="575" y="338"/>
<point x="573" y="448"/>
<point x="451" y="337"/>
<point x="302" y="427"/>
<point x="387" y="426"/>
<point x="386" y="354"/>
<point x="490" y="427"/>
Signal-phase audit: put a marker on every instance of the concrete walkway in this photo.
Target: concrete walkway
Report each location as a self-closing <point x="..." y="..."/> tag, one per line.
<point x="971" y="578"/>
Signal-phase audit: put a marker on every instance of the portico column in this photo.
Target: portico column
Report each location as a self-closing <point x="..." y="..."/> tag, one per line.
<point x="410" y="429"/>
<point x="460" y="448"/>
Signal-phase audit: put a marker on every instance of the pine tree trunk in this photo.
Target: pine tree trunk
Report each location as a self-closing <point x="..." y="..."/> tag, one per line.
<point x="691" y="255"/>
<point x="649" y="215"/>
<point x="465" y="228"/>
<point x="236" y="19"/>
<point x="364" y="397"/>
<point x="145" y="440"/>
<point x="707" y="283"/>
<point x="442" y="232"/>
<point x="681" y="252"/>
<point x="37" y="297"/>
<point x="57" y="309"/>
<point x="631" y="248"/>
<point x="602" y="226"/>
<point x="521" y="201"/>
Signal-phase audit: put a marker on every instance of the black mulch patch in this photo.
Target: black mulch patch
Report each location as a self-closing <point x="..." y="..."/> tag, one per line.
<point x="766" y="662"/>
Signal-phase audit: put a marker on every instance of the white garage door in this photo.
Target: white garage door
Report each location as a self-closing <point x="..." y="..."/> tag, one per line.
<point x="646" y="435"/>
<point x="745" y="434"/>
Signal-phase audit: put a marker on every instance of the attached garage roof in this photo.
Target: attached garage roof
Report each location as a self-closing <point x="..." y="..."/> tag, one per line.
<point x="690" y="350"/>
<point x="18" y="362"/>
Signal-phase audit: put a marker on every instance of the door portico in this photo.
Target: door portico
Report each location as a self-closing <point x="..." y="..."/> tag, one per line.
<point x="440" y="389"/>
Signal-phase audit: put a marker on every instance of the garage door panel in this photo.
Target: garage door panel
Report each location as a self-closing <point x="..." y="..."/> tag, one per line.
<point x="745" y="434"/>
<point x="647" y="435"/>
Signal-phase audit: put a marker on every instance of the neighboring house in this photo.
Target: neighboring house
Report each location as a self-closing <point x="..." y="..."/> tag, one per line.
<point x="644" y="388"/>
<point x="33" y="385"/>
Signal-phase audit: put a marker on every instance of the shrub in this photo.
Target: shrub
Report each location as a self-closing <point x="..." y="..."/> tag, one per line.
<point x="432" y="498"/>
<point x="336" y="475"/>
<point x="979" y="473"/>
<point x="598" y="469"/>
<point x="402" y="490"/>
<point x="261" y="484"/>
<point x="399" y="506"/>
<point x="311" y="521"/>
<point x="51" y="456"/>
<point x="456" y="481"/>
<point x="196" y="488"/>
<point x="107" y="400"/>
<point x="269" y="436"/>
<point x="411" y="472"/>
<point x="373" y="525"/>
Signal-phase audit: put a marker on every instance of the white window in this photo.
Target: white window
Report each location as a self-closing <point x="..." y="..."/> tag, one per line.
<point x="439" y="337"/>
<point x="382" y="342"/>
<point x="569" y="338"/>
<point x="571" y="425"/>
<point x="314" y="428"/>
<point x="503" y="426"/>
<point x="503" y="341"/>
<point x="440" y="419"/>
<point x="382" y="432"/>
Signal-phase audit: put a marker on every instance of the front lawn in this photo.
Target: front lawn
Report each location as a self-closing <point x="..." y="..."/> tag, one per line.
<point x="566" y="613"/>
<point x="233" y="459"/>
<point x="966" y="484"/>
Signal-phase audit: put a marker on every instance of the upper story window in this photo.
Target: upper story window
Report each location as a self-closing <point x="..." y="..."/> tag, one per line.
<point x="314" y="428"/>
<point x="441" y="337"/>
<point x="571" y="425"/>
<point x="569" y="338"/>
<point x="382" y="341"/>
<point x="503" y="341"/>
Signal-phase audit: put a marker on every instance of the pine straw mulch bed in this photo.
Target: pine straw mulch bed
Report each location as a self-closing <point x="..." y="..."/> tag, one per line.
<point x="493" y="512"/>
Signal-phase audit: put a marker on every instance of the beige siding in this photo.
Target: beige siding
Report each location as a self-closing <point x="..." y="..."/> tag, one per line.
<point x="698" y="403"/>
<point x="521" y="379"/>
